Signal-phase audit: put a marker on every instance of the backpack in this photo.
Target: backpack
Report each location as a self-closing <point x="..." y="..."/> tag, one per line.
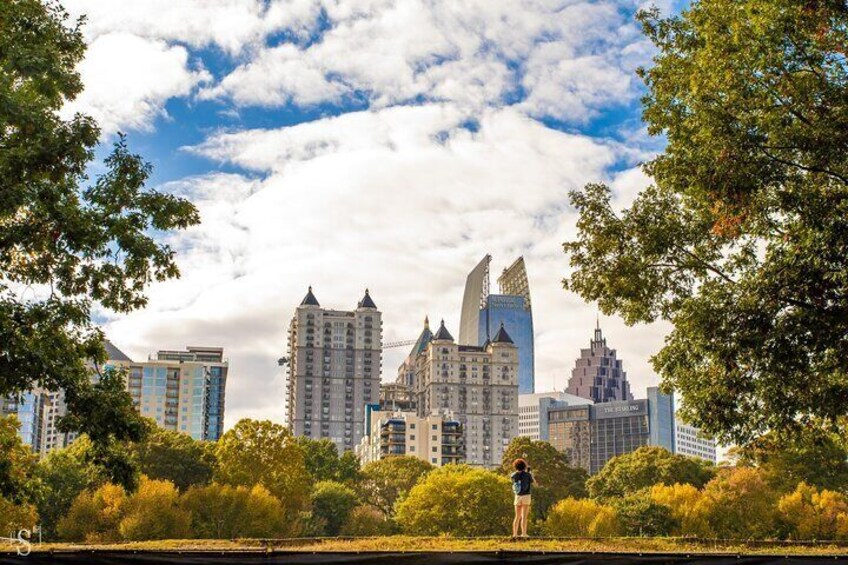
<point x="517" y="484"/>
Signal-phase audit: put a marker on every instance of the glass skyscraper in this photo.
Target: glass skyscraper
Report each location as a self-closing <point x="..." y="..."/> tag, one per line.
<point x="483" y="313"/>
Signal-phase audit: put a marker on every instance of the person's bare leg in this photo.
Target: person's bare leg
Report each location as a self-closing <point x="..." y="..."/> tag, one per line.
<point x="516" y="522"/>
<point x="525" y="517"/>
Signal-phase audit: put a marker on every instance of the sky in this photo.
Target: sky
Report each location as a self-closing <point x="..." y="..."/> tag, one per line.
<point x="353" y="144"/>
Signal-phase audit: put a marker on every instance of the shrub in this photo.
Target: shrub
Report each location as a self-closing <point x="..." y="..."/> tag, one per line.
<point x="687" y="509"/>
<point x="94" y="515"/>
<point x="739" y="504"/>
<point x="15" y="517"/>
<point x="225" y="512"/>
<point x="809" y="513"/>
<point x="366" y="520"/>
<point x="458" y="500"/>
<point x="639" y="515"/>
<point x="573" y="517"/>
<point x="154" y="512"/>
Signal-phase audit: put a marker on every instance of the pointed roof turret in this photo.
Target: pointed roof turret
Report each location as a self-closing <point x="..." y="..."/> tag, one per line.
<point x="443" y="333"/>
<point x="502" y="336"/>
<point x="367" y="302"/>
<point x="423" y="339"/>
<point x="309" y="299"/>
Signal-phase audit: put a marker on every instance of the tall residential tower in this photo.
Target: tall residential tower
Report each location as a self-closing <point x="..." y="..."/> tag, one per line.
<point x="484" y="313"/>
<point x="334" y="370"/>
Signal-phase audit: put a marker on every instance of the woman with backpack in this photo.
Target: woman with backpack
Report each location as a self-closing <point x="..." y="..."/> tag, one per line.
<point x="522" y="481"/>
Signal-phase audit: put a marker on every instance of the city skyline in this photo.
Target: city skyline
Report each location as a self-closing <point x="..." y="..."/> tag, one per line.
<point x="446" y="132"/>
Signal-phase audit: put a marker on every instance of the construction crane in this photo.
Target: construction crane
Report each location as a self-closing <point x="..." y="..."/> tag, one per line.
<point x="283" y="361"/>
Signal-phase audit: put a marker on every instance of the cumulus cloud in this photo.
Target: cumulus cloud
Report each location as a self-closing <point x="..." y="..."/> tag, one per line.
<point x="402" y="200"/>
<point x="232" y="25"/>
<point x="129" y="79"/>
<point x="564" y="60"/>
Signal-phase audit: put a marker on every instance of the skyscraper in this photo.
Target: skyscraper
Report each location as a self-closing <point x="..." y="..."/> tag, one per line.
<point x="598" y="375"/>
<point x="183" y="391"/>
<point x="476" y="385"/>
<point x="484" y="313"/>
<point x="334" y="370"/>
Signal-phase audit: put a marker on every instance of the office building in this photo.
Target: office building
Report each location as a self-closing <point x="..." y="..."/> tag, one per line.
<point x="533" y="411"/>
<point x="437" y="439"/>
<point x="592" y="435"/>
<point x="28" y="408"/>
<point x="335" y="358"/>
<point x="690" y="441"/>
<point x="484" y="313"/>
<point x="475" y="384"/>
<point x="598" y="374"/>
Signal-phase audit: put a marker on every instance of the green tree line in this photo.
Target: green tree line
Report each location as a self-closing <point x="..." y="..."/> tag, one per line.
<point x="258" y="481"/>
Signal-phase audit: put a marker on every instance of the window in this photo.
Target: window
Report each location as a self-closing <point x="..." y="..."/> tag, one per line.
<point x="434" y="449"/>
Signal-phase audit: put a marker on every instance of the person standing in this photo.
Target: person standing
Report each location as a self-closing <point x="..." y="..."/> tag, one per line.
<point x="522" y="483"/>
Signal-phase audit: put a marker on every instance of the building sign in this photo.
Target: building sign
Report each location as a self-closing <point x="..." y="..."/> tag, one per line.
<point x="620" y="409"/>
<point x="505" y="301"/>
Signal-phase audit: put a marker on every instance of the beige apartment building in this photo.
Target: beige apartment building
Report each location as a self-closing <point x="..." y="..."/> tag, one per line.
<point x="335" y="358"/>
<point x="475" y="385"/>
<point x="436" y="439"/>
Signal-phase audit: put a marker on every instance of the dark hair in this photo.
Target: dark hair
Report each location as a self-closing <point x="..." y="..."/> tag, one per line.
<point x="519" y="464"/>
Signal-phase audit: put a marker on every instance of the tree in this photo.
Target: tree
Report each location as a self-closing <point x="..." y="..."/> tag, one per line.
<point x="741" y="241"/>
<point x="386" y="481"/>
<point x="639" y="515"/>
<point x="685" y="502"/>
<point x="646" y="467"/>
<point x="258" y="452"/>
<point x="332" y="504"/>
<point x="175" y="457"/>
<point x="457" y="500"/>
<point x="154" y="512"/>
<point x="813" y="456"/>
<point x="75" y="244"/>
<point x="225" y="512"/>
<point x="323" y="462"/>
<point x="584" y="517"/>
<point x="17" y="464"/>
<point x="64" y="474"/>
<point x="550" y="468"/>
<point x="738" y="504"/>
<point x="809" y="513"/>
<point x="94" y="516"/>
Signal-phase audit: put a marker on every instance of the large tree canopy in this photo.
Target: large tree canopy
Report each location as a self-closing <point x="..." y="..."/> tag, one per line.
<point x="68" y="243"/>
<point x="742" y="240"/>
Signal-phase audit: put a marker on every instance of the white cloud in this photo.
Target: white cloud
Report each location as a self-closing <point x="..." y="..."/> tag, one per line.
<point x="569" y="58"/>
<point x="402" y="200"/>
<point x="232" y="25"/>
<point x="129" y="79"/>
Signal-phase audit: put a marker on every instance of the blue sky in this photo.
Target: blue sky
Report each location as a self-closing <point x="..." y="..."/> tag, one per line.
<point x="387" y="144"/>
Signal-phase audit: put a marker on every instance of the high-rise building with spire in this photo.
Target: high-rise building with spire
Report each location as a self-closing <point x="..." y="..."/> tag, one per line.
<point x="484" y="313"/>
<point x="335" y="358"/>
<point x="598" y="374"/>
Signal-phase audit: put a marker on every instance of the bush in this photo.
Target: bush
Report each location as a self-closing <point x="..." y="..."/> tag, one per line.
<point x="809" y="513"/>
<point x="687" y="508"/>
<point x="332" y="503"/>
<point x="226" y="512"/>
<point x="365" y="521"/>
<point x="458" y="500"/>
<point x="639" y="515"/>
<point x="154" y="512"/>
<point x="16" y="517"/>
<point x="572" y="517"/>
<point x="739" y="504"/>
<point x="95" y="515"/>
<point x="386" y="481"/>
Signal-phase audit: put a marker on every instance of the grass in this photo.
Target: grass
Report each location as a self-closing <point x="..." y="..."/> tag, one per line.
<point x="446" y="544"/>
